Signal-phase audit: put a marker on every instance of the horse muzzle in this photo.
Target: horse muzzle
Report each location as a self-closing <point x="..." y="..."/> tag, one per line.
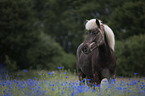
<point x="88" y="48"/>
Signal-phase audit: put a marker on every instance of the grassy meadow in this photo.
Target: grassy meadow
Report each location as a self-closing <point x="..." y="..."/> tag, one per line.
<point x="65" y="83"/>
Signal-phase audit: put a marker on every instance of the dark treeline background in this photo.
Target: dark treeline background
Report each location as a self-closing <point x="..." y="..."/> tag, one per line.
<point x="44" y="34"/>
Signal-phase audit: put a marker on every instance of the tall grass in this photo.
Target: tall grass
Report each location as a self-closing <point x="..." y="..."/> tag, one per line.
<point x="65" y="83"/>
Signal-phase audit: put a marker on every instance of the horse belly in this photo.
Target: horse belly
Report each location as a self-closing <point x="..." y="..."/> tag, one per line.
<point x="85" y="64"/>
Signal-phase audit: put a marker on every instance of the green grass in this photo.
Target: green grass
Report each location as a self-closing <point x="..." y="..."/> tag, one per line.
<point x="65" y="83"/>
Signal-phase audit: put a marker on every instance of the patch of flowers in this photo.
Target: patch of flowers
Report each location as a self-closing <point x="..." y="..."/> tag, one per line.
<point x="61" y="84"/>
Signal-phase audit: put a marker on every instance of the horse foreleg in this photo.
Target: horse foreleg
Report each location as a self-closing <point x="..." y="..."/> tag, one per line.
<point x="97" y="80"/>
<point x="89" y="80"/>
<point x="81" y="78"/>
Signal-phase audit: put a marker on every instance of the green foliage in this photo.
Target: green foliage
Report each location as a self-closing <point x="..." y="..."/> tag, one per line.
<point x="48" y="54"/>
<point x="41" y="55"/>
<point x="11" y="65"/>
<point x="130" y="56"/>
<point x="18" y="33"/>
<point x="128" y="19"/>
<point x="23" y="44"/>
<point x="68" y="61"/>
<point x="59" y="22"/>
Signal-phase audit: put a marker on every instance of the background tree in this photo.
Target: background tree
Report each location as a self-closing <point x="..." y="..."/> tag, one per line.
<point x="128" y="20"/>
<point x="130" y="56"/>
<point x="23" y="44"/>
<point x="18" y="32"/>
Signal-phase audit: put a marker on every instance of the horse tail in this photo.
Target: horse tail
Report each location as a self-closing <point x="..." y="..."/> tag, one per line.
<point x="110" y="36"/>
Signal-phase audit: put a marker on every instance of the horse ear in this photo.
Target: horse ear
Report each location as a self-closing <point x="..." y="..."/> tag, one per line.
<point x="98" y="23"/>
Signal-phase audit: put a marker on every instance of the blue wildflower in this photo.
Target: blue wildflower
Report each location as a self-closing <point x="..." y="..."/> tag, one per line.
<point x="4" y="91"/>
<point x="93" y="90"/>
<point x="139" y="80"/>
<point x="114" y="79"/>
<point x="125" y="88"/>
<point x="63" y="72"/>
<point x="24" y="70"/>
<point x="37" y="91"/>
<point x="89" y="79"/>
<point x="59" y="67"/>
<point x="83" y="79"/>
<point x="118" y="88"/>
<point x="65" y="76"/>
<point x="120" y="76"/>
<point x="141" y="91"/>
<point x="135" y="73"/>
<point x="72" y="94"/>
<point x="6" y="76"/>
<point x="94" y="85"/>
<point x="50" y="73"/>
<point x="109" y="94"/>
<point x="129" y="90"/>
<point x="53" y="89"/>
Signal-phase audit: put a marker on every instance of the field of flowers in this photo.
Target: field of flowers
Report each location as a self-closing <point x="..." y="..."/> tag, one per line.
<point x="65" y="83"/>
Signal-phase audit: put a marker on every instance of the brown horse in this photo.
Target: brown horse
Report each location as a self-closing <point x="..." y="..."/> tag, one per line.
<point x="95" y="56"/>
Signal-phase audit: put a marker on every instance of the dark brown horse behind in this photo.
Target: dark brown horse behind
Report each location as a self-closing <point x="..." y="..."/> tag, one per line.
<point x="95" y="56"/>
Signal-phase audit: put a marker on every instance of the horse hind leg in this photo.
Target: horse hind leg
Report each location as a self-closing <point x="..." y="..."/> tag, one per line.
<point x="108" y="74"/>
<point x="111" y="79"/>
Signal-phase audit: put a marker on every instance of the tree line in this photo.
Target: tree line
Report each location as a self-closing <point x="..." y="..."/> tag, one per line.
<point x="38" y="34"/>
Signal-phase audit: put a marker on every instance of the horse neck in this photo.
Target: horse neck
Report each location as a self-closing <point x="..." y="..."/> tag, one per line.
<point x="104" y="50"/>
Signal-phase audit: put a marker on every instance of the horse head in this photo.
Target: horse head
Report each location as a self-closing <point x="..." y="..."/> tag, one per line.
<point x="95" y="35"/>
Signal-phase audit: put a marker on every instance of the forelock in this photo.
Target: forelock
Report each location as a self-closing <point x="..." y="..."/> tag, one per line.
<point x="91" y="24"/>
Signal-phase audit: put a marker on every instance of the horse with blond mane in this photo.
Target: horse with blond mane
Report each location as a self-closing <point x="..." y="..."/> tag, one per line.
<point x="95" y="56"/>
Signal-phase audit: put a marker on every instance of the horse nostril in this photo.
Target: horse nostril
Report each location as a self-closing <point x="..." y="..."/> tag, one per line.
<point x="84" y="49"/>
